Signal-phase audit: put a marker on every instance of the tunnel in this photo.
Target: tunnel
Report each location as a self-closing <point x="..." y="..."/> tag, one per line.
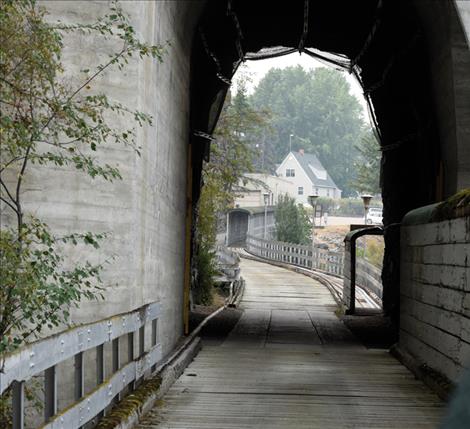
<point x="237" y="227"/>
<point x="411" y="60"/>
<point x="249" y="221"/>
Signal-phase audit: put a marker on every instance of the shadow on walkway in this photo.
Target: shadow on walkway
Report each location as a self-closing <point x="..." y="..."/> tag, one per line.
<point x="291" y="363"/>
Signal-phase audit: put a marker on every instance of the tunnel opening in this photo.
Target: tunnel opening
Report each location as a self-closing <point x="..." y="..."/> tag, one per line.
<point x="397" y="69"/>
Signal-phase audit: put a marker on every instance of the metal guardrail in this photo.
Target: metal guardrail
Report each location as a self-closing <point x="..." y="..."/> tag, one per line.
<point x="297" y="254"/>
<point x="44" y="355"/>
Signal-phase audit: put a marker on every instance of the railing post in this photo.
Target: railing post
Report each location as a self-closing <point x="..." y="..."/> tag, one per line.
<point x="79" y="376"/>
<point x="130" y="353"/>
<point x="100" y="364"/>
<point x="100" y="370"/>
<point x="116" y="360"/>
<point x="50" y="393"/>
<point x="18" y="404"/>
<point x="130" y="346"/>
<point x="141" y="340"/>
<point x="154" y="340"/>
<point x="115" y="355"/>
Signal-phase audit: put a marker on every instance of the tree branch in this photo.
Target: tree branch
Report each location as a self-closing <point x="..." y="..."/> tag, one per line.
<point x="17" y="158"/>
<point x="2" y="183"/>
<point x="9" y="205"/>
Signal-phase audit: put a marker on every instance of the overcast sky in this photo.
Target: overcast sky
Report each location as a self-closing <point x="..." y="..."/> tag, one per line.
<point x="257" y="69"/>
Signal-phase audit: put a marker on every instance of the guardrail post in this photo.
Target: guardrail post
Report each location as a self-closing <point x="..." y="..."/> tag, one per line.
<point x="141" y="340"/>
<point x="100" y="364"/>
<point x="79" y="376"/>
<point x="50" y="393"/>
<point x="116" y="361"/>
<point x="18" y="404"/>
<point x="130" y="346"/>
<point x="154" y="339"/>
<point x="100" y="370"/>
<point x="130" y="353"/>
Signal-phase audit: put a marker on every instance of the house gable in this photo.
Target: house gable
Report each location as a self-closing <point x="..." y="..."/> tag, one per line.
<point x="310" y="175"/>
<point x="300" y="180"/>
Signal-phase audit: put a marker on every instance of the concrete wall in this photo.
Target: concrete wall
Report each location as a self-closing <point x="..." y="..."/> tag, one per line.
<point x="145" y="212"/>
<point x="435" y="291"/>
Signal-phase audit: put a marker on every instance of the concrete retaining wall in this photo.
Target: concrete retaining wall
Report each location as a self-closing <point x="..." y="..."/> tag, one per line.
<point x="435" y="291"/>
<point x="144" y="212"/>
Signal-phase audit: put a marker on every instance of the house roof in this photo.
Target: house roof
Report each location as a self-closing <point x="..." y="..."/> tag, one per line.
<point x="308" y="160"/>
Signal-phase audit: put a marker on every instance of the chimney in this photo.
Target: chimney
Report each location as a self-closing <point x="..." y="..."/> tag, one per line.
<point x="302" y="152"/>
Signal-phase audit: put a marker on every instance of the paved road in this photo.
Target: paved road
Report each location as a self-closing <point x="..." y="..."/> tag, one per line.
<point x="343" y="220"/>
<point x="290" y="363"/>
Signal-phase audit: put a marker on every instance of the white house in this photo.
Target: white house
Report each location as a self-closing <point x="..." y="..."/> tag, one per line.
<point x="308" y="176"/>
<point x="251" y="193"/>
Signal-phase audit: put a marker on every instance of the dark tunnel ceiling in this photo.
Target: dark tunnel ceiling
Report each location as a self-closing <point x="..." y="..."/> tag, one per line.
<point x="386" y="39"/>
<point x="282" y="23"/>
<point x="341" y="27"/>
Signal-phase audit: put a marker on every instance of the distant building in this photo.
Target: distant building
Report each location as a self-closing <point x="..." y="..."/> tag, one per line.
<point x="298" y="176"/>
<point x="251" y="194"/>
<point x="308" y="176"/>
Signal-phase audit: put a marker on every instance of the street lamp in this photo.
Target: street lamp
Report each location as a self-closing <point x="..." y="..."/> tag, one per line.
<point x="290" y="142"/>
<point x="366" y="200"/>
<point x="312" y="199"/>
<point x="266" y="202"/>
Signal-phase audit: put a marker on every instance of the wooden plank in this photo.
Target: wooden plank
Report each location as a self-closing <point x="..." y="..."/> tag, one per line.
<point x="291" y="363"/>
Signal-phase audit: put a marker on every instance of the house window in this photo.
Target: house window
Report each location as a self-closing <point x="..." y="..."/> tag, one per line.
<point x="328" y="192"/>
<point x="300" y="190"/>
<point x="290" y="172"/>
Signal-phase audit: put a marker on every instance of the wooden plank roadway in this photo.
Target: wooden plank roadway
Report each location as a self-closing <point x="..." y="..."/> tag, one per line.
<point x="291" y="363"/>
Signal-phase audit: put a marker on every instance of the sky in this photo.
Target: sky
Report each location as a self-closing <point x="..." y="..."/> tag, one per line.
<point x="257" y="69"/>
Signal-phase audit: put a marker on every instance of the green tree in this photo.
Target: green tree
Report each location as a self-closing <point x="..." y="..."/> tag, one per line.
<point x="367" y="166"/>
<point x="292" y="221"/>
<point x="317" y="107"/>
<point x="232" y="154"/>
<point x="50" y="118"/>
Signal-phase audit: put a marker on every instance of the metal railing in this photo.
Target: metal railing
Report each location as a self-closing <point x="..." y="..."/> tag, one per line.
<point x="297" y="254"/>
<point x="44" y="355"/>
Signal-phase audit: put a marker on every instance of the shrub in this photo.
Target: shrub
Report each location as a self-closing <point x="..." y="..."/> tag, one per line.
<point x="292" y="222"/>
<point x="203" y="284"/>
